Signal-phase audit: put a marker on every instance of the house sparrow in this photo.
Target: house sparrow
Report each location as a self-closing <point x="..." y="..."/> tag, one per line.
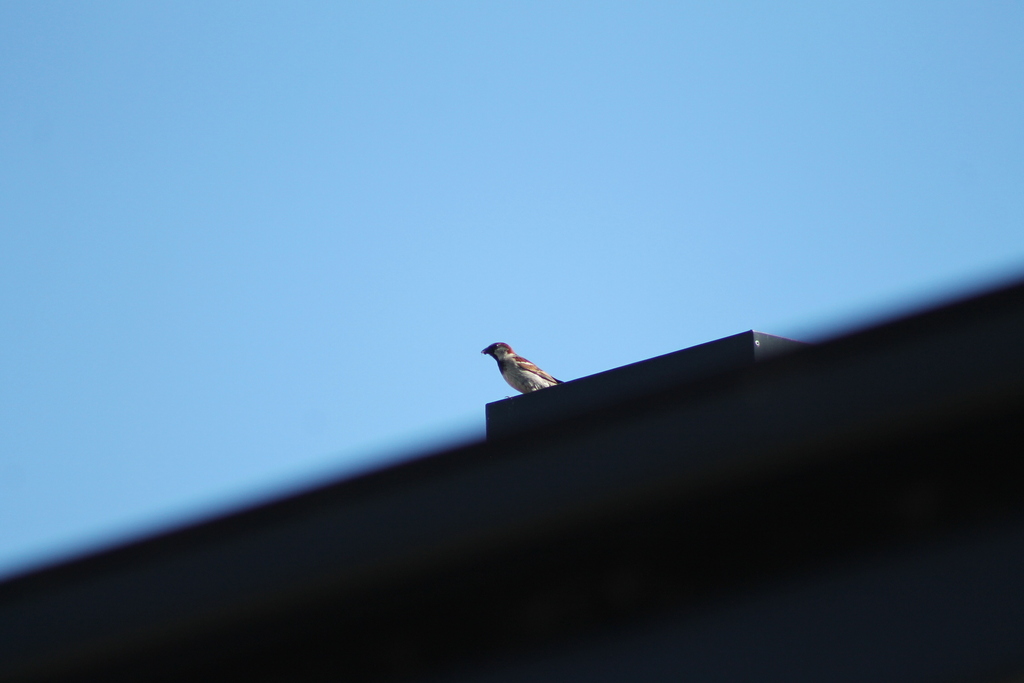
<point x="521" y="374"/>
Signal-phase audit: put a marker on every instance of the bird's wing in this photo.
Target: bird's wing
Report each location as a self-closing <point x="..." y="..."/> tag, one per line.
<point x="530" y="367"/>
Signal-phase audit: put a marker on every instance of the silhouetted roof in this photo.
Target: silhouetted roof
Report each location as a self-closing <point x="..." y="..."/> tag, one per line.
<point x="851" y="510"/>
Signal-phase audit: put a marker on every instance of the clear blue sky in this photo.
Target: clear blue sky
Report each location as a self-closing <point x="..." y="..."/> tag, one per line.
<point x="248" y="246"/>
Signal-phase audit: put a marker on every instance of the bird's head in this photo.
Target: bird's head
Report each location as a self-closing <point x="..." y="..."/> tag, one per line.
<point x="497" y="350"/>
